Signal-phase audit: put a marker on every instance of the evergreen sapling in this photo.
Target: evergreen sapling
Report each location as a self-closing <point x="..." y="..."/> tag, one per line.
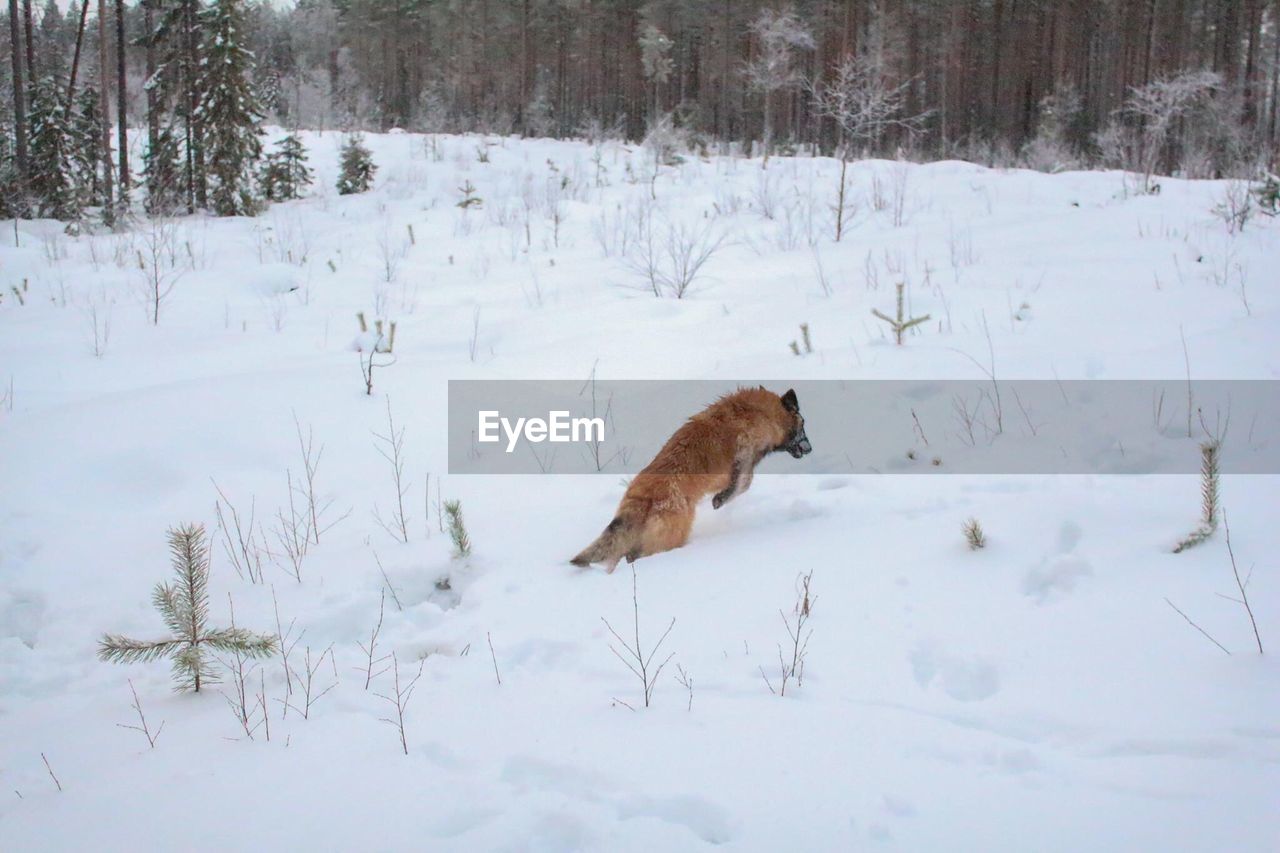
<point x="228" y="113"/>
<point x="285" y="174"/>
<point x="184" y="605"/>
<point x="357" y="166"/>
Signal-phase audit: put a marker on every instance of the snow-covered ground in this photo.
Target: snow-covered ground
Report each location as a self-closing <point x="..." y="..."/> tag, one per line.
<point x="1036" y="695"/>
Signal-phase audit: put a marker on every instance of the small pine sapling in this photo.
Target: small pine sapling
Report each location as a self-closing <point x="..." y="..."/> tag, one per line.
<point x="358" y="167"/>
<point x="457" y="529"/>
<point x="284" y="174"/>
<point x="469" y="197"/>
<point x="184" y="605"/>
<point x="1209" y="483"/>
<point x="901" y="323"/>
<point x="974" y="535"/>
<point x="1267" y="195"/>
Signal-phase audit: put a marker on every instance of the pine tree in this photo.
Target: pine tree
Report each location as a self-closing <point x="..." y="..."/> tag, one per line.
<point x="184" y="604"/>
<point x="228" y="112"/>
<point x="10" y="185"/>
<point x="174" y="48"/>
<point x="285" y="173"/>
<point x="357" y="166"/>
<point x="86" y="147"/>
<point x="50" y="177"/>
<point x="163" y="169"/>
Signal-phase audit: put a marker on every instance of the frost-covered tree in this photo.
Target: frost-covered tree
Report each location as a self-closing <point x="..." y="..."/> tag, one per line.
<point x="50" y="181"/>
<point x="779" y="35"/>
<point x="228" y="113"/>
<point x="184" y="605"/>
<point x="1142" y="130"/>
<point x="863" y="105"/>
<point x="655" y="61"/>
<point x="357" y="166"/>
<point x="1051" y="149"/>
<point x="284" y="173"/>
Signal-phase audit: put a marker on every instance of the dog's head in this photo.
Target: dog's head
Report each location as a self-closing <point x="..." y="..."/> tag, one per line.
<point x="796" y="442"/>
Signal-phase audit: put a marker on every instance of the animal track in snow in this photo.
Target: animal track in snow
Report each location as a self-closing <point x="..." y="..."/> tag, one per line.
<point x="962" y="680"/>
<point x="1058" y="575"/>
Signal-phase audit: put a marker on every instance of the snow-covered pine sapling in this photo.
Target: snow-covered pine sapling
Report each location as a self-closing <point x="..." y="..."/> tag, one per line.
<point x="358" y="167"/>
<point x="469" y="197"/>
<point x="791" y="660"/>
<point x="1209" y="484"/>
<point x="901" y="322"/>
<point x="1267" y="195"/>
<point x="457" y="529"/>
<point x="400" y="701"/>
<point x="284" y="174"/>
<point x="184" y="605"/>
<point x="974" y="535"/>
<point x="636" y="658"/>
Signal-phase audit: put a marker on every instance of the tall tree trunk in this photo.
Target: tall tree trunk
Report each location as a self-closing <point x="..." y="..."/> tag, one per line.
<point x="33" y="75"/>
<point x="19" y="93"/>
<point x="75" y="59"/>
<point x="122" y="107"/>
<point x="153" y="97"/>
<point x="104" y="107"/>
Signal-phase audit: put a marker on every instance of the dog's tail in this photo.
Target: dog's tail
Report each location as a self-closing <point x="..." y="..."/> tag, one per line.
<point x="619" y="538"/>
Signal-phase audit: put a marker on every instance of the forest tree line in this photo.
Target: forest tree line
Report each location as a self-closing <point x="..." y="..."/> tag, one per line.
<point x="1185" y="86"/>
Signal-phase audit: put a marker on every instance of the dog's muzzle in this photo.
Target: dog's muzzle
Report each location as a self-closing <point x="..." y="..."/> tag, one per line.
<point x="799" y="446"/>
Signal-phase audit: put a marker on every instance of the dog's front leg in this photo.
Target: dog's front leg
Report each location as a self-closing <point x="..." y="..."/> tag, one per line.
<point x="739" y="481"/>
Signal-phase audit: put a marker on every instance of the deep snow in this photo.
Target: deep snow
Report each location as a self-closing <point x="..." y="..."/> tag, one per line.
<point x="1037" y="695"/>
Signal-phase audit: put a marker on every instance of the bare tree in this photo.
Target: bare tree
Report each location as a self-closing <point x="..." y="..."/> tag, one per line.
<point x="1157" y="106"/>
<point x="636" y="659"/>
<point x="391" y="448"/>
<point x="400" y="699"/>
<point x="863" y="105"/>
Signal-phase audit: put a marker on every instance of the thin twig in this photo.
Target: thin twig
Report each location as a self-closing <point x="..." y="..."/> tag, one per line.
<point x="51" y="774"/>
<point x="1194" y="625"/>
<point x="495" y="658"/>
<point x="1241" y="585"/>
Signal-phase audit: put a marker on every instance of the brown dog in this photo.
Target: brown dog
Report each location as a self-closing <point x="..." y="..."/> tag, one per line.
<point x="715" y="452"/>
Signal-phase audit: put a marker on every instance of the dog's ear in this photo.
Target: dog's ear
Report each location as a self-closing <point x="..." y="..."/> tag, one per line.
<point x="789" y="401"/>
